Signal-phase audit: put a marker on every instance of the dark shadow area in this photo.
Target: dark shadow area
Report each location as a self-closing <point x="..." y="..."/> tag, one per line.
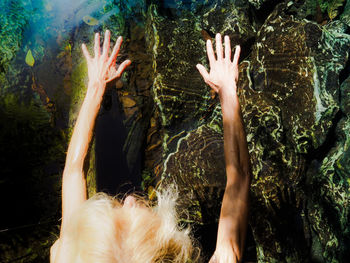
<point x="113" y="174"/>
<point x="321" y="152"/>
<point x="31" y="156"/>
<point x="345" y="72"/>
<point x="265" y="10"/>
<point x="31" y="163"/>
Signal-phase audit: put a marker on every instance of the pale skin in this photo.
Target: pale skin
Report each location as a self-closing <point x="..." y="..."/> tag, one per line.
<point x="223" y="78"/>
<point x="101" y="70"/>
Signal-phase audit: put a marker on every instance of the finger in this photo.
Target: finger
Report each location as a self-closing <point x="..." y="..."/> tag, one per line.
<point x="86" y="52"/>
<point x="218" y="46"/>
<point x="203" y="71"/>
<point x="236" y="56"/>
<point x="227" y="48"/>
<point x="120" y="70"/>
<point x="122" y="67"/>
<point x="106" y="43"/>
<point x="210" y="52"/>
<point x="115" y="51"/>
<point x="97" y="45"/>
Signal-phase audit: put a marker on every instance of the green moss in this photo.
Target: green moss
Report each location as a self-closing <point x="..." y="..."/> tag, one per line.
<point x="329" y="7"/>
<point x="79" y="85"/>
<point x="14" y="18"/>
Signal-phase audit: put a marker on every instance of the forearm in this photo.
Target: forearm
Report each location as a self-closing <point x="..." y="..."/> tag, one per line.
<point x="235" y="203"/>
<point x="234" y="217"/>
<point x="82" y="132"/>
<point x="73" y="181"/>
<point x="235" y="144"/>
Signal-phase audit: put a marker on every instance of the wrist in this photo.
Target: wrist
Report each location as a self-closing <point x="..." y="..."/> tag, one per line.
<point x="228" y="91"/>
<point x="229" y="101"/>
<point x="96" y="84"/>
<point x="93" y="99"/>
<point x="95" y="90"/>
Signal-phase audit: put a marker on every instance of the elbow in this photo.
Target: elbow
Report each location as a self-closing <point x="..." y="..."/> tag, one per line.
<point x="247" y="174"/>
<point x="73" y="170"/>
<point x="74" y="165"/>
<point x="238" y="177"/>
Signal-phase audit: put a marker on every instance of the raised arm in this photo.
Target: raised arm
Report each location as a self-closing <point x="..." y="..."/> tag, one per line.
<point x="233" y="221"/>
<point x="101" y="69"/>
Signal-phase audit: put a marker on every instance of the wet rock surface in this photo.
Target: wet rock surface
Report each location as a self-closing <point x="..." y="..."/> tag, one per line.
<point x="291" y="105"/>
<point x="291" y="100"/>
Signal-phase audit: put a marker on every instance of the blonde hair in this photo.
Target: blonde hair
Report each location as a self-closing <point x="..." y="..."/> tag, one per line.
<point x="100" y="233"/>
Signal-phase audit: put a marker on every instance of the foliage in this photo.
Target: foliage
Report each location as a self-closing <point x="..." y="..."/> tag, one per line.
<point x="13" y="20"/>
<point x="331" y="7"/>
<point x="30" y="244"/>
<point x="311" y="6"/>
<point x="118" y="11"/>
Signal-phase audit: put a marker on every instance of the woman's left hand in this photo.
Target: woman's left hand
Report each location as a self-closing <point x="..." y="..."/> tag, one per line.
<point x="101" y="68"/>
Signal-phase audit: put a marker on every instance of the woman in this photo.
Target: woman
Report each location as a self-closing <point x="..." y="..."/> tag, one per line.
<point x="102" y="229"/>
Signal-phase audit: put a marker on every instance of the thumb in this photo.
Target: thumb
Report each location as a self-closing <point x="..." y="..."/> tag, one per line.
<point x="203" y="71"/>
<point x="117" y="73"/>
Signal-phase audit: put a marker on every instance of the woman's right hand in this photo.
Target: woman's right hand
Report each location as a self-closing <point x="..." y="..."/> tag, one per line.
<point x="223" y="74"/>
<point x="223" y="79"/>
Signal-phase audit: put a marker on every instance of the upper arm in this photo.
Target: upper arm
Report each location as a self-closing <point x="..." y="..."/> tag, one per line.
<point x="73" y="194"/>
<point x="60" y="251"/>
<point x="53" y="250"/>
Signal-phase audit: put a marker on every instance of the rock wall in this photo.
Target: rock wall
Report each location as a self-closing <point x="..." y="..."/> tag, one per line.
<point x="292" y="90"/>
